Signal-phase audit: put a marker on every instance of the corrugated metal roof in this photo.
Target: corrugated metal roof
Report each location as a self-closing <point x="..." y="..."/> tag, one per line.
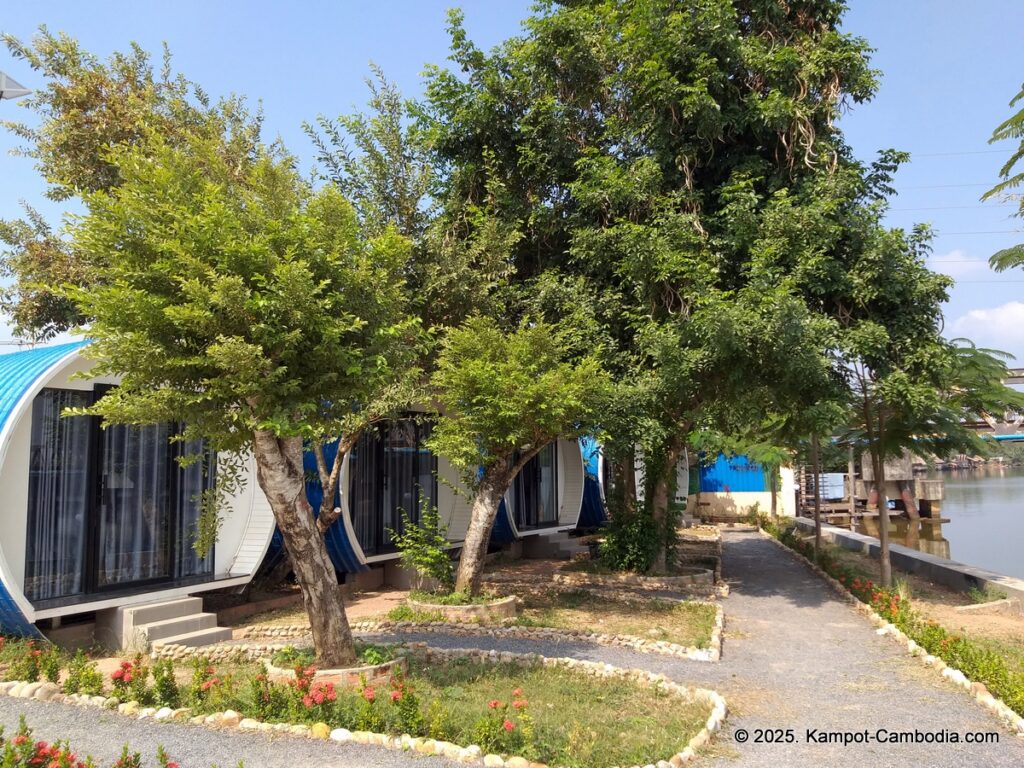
<point x="20" y="370"/>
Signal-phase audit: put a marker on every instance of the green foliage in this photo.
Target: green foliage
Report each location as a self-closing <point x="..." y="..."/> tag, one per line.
<point x="49" y="663"/>
<point x="987" y="595"/>
<point x="451" y="598"/>
<point x="83" y="676"/>
<point x="502" y="393"/>
<point x="23" y="660"/>
<point x="631" y="542"/>
<point x="424" y="546"/>
<point x="404" y="612"/>
<point x="165" y="687"/>
<point x="1012" y="176"/>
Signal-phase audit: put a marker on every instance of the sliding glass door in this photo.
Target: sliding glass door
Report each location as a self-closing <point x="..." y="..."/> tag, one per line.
<point x="535" y="491"/>
<point x="59" y="491"/>
<point x="109" y="509"/>
<point x="391" y="472"/>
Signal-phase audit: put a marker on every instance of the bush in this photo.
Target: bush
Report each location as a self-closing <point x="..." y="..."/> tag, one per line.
<point x="26" y="663"/>
<point x="424" y="547"/>
<point x="631" y="542"/>
<point x="165" y="687"/>
<point x="83" y="676"/>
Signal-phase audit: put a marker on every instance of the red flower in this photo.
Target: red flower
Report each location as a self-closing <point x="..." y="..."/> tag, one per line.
<point x="19" y="739"/>
<point x="518" y="693"/>
<point x="173" y="765"/>
<point x="368" y="694"/>
<point x="493" y="703"/>
<point x="396" y="696"/>
<point x="307" y="701"/>
<point x="520" y="704"/>
<point x="507" y="725"/>
<point x="210" y="670"/>
<point x="117" y="674"/>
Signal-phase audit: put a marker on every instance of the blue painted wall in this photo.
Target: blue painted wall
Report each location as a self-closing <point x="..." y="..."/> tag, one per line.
<point x="732" y="474"/>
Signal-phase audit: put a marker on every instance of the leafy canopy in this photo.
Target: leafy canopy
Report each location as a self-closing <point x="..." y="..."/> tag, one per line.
<point x="500" y="393"/>
<point x="237" y="298"/>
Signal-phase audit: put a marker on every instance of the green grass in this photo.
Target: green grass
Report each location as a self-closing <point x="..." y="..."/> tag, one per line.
<point x="366" y="653"/>
<point x="451" y="598"/>
<point x="579" y="721"/>
<point x="987" y="595"/>
<point x="687" y="624"/>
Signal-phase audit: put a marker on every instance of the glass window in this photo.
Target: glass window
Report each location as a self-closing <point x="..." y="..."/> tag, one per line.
<point x="535" y="491"/>
<point x="391" y="471"/>
<point x="58" y="495"/>
<point x="192" y="482"/>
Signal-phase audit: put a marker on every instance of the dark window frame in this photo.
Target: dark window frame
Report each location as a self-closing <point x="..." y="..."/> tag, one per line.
<point x="90" y="589"/>
<point x="524" y="498"/>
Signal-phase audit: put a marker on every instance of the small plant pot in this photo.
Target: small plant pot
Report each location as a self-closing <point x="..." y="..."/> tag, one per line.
<point x="496" y="610"/>
<point x="376" y="675"/>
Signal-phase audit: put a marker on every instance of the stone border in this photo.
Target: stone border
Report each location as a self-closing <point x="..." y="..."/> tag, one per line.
<point x="351" y="677"/>
<point x="712" y="652"/>
<point x="501" y="608"/>
<point x="705" y="578"/>
<point x="469" y="754"/>
<point x="978" y="690"/>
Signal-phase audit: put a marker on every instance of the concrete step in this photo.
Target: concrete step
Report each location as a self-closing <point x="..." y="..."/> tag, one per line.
<point x="158" y="630"/>
<point x="151" y="613"/>
<point x="198" y="638"/>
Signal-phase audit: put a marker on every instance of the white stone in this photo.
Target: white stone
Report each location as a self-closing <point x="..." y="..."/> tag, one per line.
<point x="164" y="713"/>
<point x="28" y="691"/>
<point x="147" y="712"/>
<point x="46" y="691"/>
<point x="249" y="724"/>
<point x="341" y="734"/>
<point x="493" y="761"/>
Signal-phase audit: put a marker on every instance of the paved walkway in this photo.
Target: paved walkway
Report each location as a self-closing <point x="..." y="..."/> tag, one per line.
<point x="795" y="657"/>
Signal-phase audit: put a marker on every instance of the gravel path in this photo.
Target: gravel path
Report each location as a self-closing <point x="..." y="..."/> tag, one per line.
<point x="795" y="657"/>
<point x="101" y="734"/>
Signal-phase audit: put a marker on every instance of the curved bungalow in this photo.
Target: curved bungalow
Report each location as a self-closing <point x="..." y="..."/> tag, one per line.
<point x="98" y="523"/>
<point x="390" y="470"/>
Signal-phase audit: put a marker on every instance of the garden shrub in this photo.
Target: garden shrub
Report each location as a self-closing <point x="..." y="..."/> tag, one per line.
<point x="165" y="687"/>
<point x="631" y="542"/>
<point x="424" y="547"/>
<point x="25" y="663"/>
<point x="83" y="676"/>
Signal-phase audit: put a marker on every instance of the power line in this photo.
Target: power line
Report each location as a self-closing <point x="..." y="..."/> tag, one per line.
<point x="953" y="154"/>
<point x="954" y="207"/>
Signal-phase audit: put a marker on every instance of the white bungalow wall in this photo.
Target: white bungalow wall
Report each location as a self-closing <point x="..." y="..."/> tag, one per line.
<point x="244" y="535"/>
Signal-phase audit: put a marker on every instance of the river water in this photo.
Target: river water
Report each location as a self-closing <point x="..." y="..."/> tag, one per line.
<point x="985" y="509"/>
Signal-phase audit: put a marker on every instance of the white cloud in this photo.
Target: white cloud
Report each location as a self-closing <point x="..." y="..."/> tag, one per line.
<point x="959" y="264"/>
<point x="999" y="327"/>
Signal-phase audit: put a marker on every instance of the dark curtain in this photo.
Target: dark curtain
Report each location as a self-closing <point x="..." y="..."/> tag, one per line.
<point x="535" y="491"/>
<point x="135" y="505"/>
<point x="58" y="495"/>
<point x="192" y="481"/>
<point x="391" y="471"/>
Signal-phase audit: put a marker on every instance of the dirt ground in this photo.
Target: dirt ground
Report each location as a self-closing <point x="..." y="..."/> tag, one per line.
<point x="938" y="602"/>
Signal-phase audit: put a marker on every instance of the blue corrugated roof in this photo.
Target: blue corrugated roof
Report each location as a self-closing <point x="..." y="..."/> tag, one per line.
<point x="20" y="370"/>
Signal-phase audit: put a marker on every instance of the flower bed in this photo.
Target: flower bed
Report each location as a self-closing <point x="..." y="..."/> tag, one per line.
<point x="997" y="687"/>
<point x="592" y="712"/>
<point x="22" y="751"/>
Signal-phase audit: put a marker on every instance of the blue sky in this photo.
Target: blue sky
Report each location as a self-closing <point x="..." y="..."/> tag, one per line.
<point x="948" y="74"/>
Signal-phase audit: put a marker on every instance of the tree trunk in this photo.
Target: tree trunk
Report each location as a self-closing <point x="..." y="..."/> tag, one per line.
<point x="885" y="565"/>
<point x="773" y="485"/>
<point x="280" y="474"/>
<point x="623" y="490"/>
<point x="660" y="497"/>
<point x="488" y="497"/>
<point x="816" y="468"/>
<point x="851" y="472"/>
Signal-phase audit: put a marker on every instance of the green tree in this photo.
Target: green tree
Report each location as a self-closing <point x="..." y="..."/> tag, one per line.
<point x="250" y="307"/>
<point x="639" y="147"/>
<point x="85" y="107"/>
<point x="503" y="397"/>
<point x="1012" y="178"/>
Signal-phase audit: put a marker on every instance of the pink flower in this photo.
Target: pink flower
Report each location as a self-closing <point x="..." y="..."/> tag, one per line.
<point x="518" y="693"/>
<point x="396" y="696"/>
<point x="307" y="701"/>
<point x="368" y="694"/>
<point x="493" y="703"/>
<point x="507" y="725"/>
<point x="520" y="704"/>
